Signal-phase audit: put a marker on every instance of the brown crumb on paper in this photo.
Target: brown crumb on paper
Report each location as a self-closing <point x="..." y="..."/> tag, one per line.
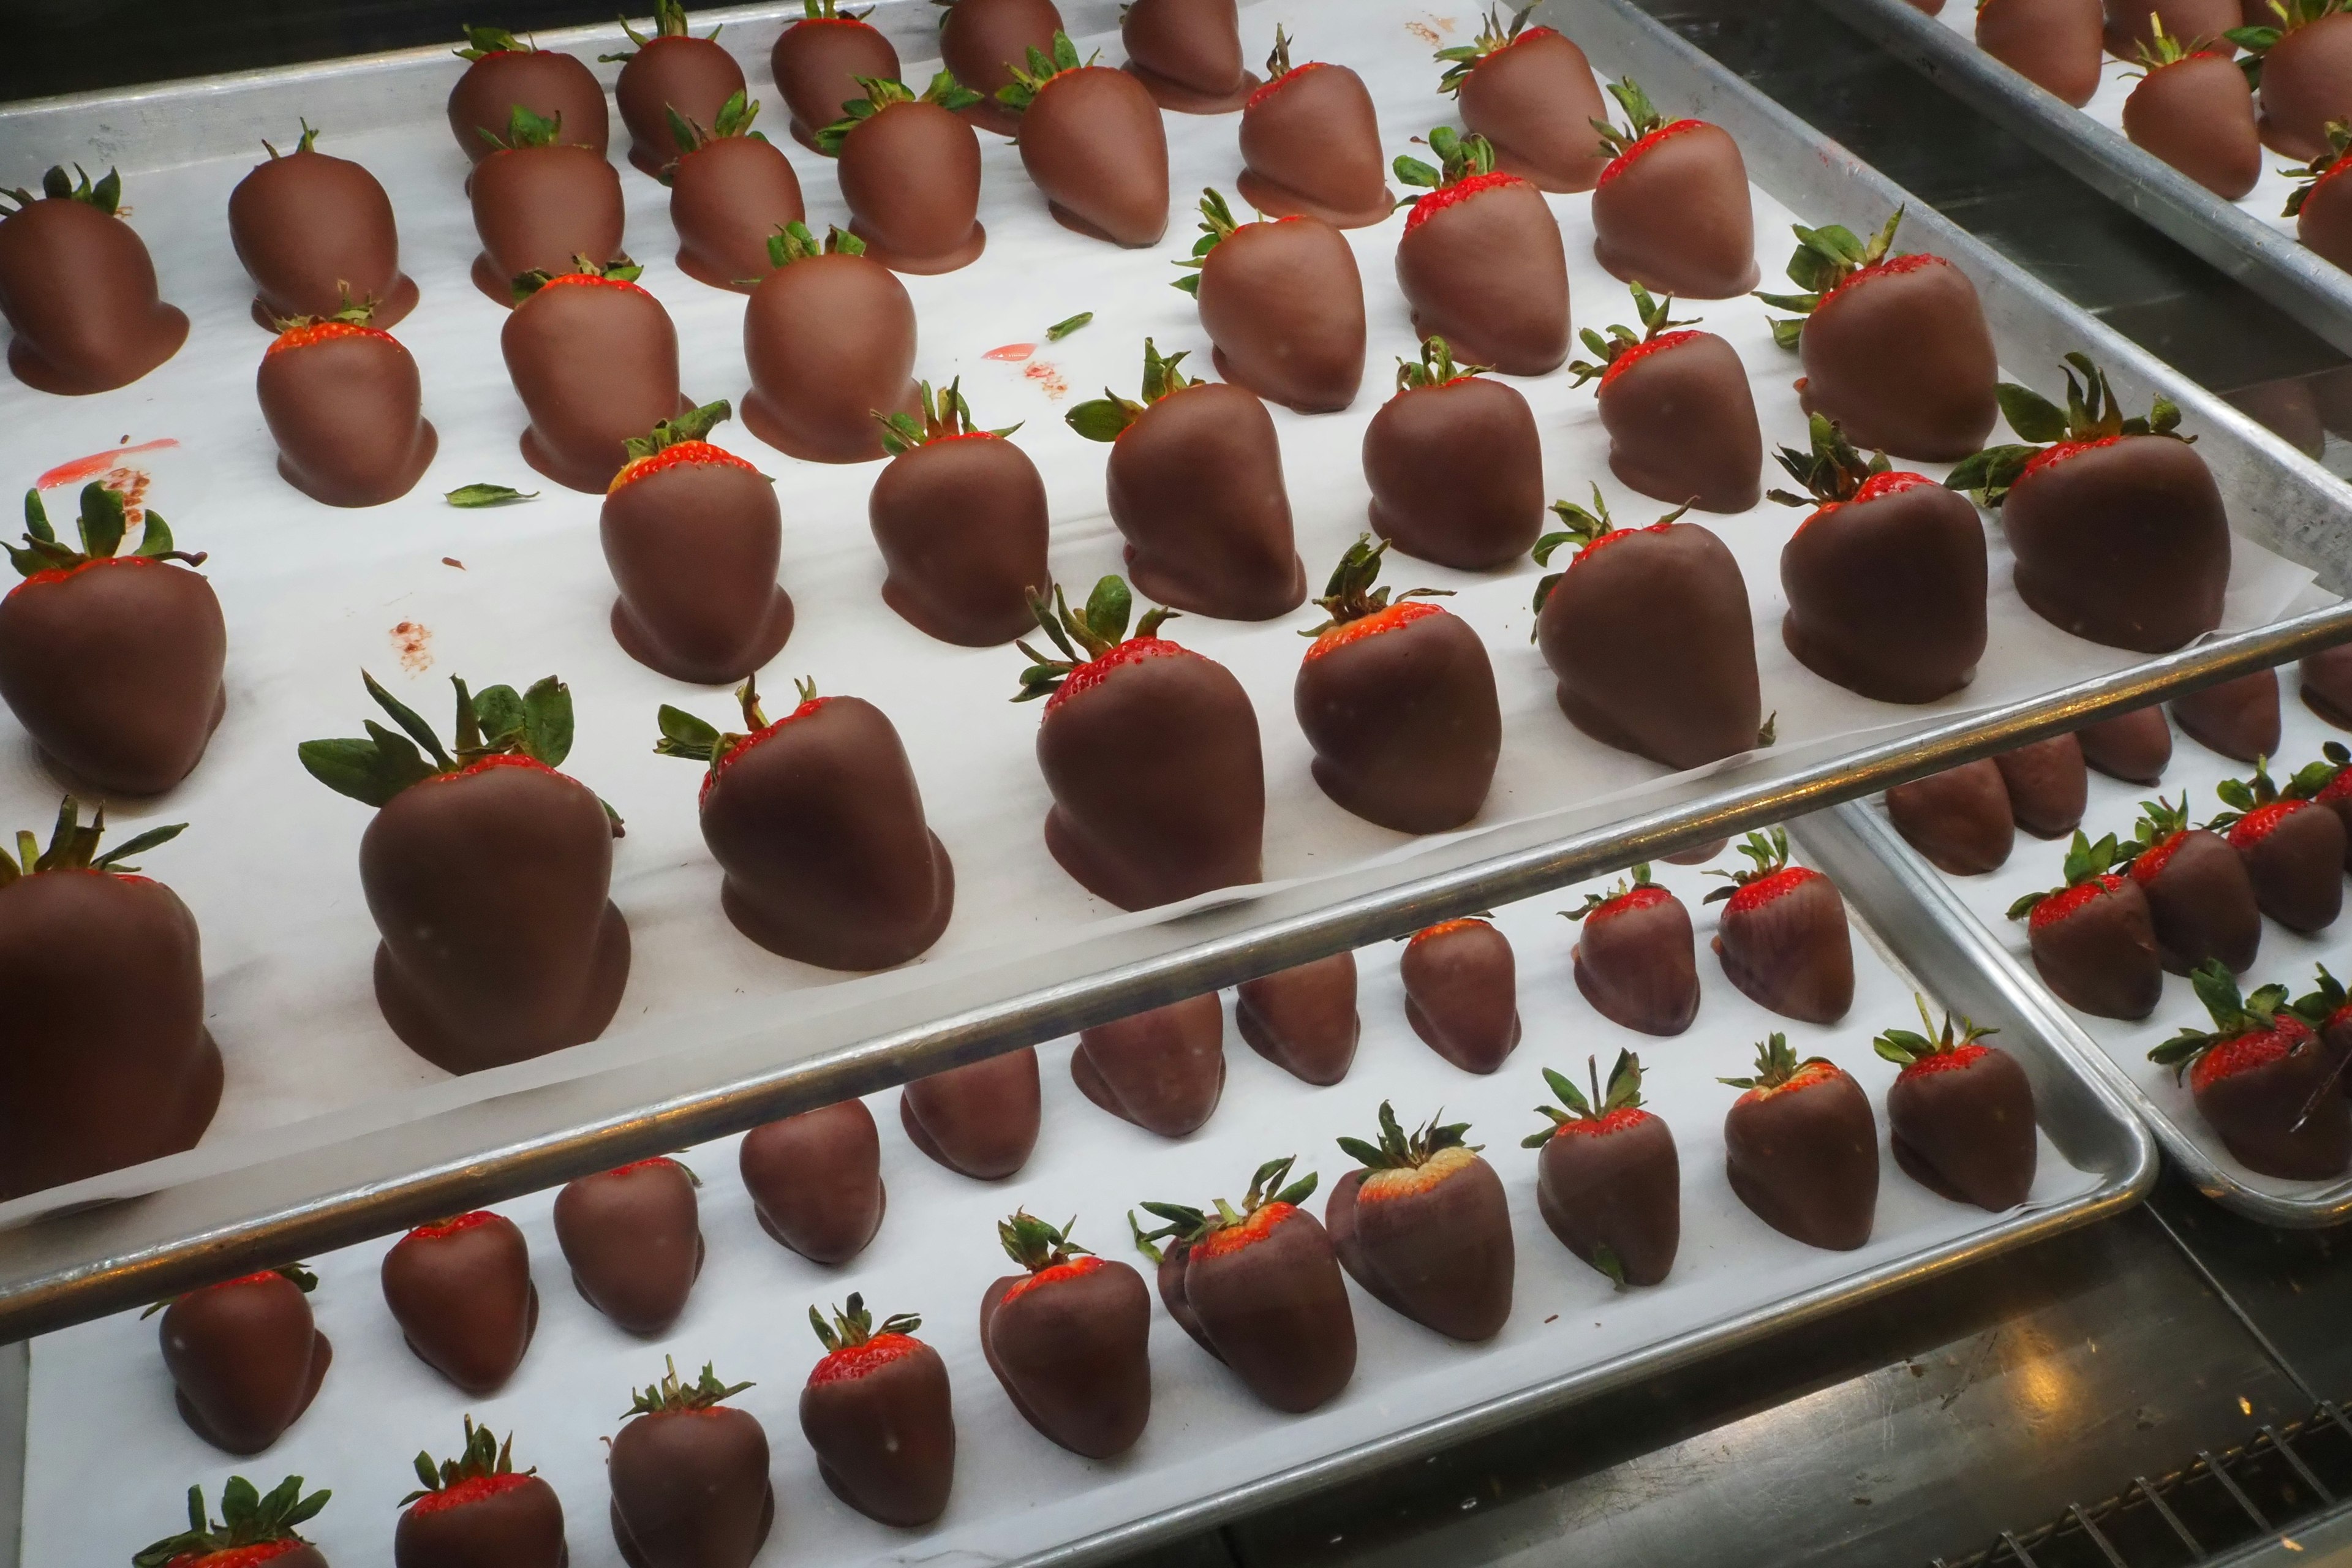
<point x="453" y="560"/>
<point x="412" y="640"/>
<point x="1421" y="30"/>
<point x="1048" y="375"/>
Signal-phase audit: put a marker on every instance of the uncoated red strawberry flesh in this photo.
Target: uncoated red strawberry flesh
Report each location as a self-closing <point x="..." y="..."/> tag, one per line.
<point x="1455" y="195"/>
<point x="2246" y="1053"/>
<point x="856" y="1361"/>
<point x="1764" y="890"/>
<point x="1094" y="672"/>
<point x="684" y="454"/>
<point x="1624" y="159"/>
<point x="1386" y="620"/>
<point x="473" y="1488"/>
<point x="1234" y="1237"/>
<point x="302" y="337"/>
<point x="2058" y="906"/>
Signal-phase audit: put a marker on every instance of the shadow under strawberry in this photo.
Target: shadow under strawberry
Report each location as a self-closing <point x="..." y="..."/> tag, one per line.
<point x="1608" y="1179"/>
<point x="1677" y="404"/>
<point x="1462" y="993"/>
<point x="1636" y="960"/>
<point x="1424" y="1228"/>
<point x="816" y="62"/>
<point x="1454" y="464"/>
<point x="632" y="1237"/>
<point x="593" y="357"/>
<point x="1530" y="91"/>
<point x="980" y="1119"/>
<point x="829" y="336"/>
<point x="2264" y="1081"/>
<point x="1961" y="1112"/>
<point x="1162" y="1068"/>
<point x="502" y="71"/>
<point x="2093" y="941"/>
<point x="961" y="518"/>
<point x="316" y="232"/>
<point x="877" y="1411"/>
<point x="246" y="1357"/>
<point x="460" y="1289"/>
<point x="2294" y="849"/>
<point x="1303" y="1019"/>
<point x="815" y="1180"/>
<point x="478" y="1509"/>
<point x="1801" y="1149"/>
<point x="689" y="1476"/>
<point x="1188" y="54"/>
<point x="909" y="169"/>
<point x="2201" y="901"/>
<point x="669" y="73"/>
<point x="1480" y="262"/>
<point x="1783" y="935"/>
<point x="1959" y="819"/>
<point x="1283" y="304"/>
<point x="1671" y="210"/>
<point x="1310" y="143"/>
<point x="1069" y="1338"/>
<point x="730" y="189"/>
<point x="78" y="289"/>
<point x="1091" y="139"/>
<point x="253" y="1529"/>
<point x="540" y="200"/>
<point x="344" y="404"/>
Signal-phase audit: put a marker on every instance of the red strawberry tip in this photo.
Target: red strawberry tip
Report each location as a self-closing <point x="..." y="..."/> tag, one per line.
<point x="1223" y="1227"/>
<point x="1940" y="1047"/>
<point x="1779" y="1070"/>
<point x="253" y="1528"/>
<point x="946" y="416"/>
<point x="1606" y="1110"/>
<point x="1092" y="641"/>
<point x="484" y="1467"/>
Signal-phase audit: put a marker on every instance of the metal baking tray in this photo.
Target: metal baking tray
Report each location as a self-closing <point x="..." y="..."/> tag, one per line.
<point x="317" y="1187"/>
<point x="2247" y="240"/>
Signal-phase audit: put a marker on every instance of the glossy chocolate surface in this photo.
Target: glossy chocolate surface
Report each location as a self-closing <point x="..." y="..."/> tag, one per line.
<point x="830" y="342"/>
<point x="980" y="1119"/>
<point x="551" y="85"/>
<point x="316" y="234"/>
<point x="1461" y="993"/>
<point x="815" y="1180"/>
<point x="911" y="177"/>
<point x="1095" y="146"/>
<point x="693" y="548"/>
<point x="1637" y="964"/>
<point x="2285" y="1119"/>
<point x="1162" y="1070"/>
<point x="1535" y="100"/>
<point x="2325" y="681"/>
<point x="1886" y="596"/>
<point x="2304" y="78"/>
<point x="694" y="76"/>
<point x="1959" y="819"/>
<point x="1620" y="1190"/>
<point x="1303" y="1019"/>
<point x="2136" y="747"/>
<point x="1441" y="1255"/>
<point x="246" y="1359"/>
<point x="1965" y="1133"/>
<point x="1073" y="1354"/>
<point x="2197" y="115"/>
<point x="1196" y="487"/>
<point x="1792" y="954"/>
<point x="78" y="289"/>
<point x="1677" y="219"/>
<point x="535" y="208"/>
<point x="519" y="1527"/>
<point x="725" y="198"/>
<point x="2048" y="787"/>
<point x="962" y="527"/>
<point x="981" y="41"/>
<point x="1310" y="143"/>
<point x="1274" y="1310"/>
<point x="464" y="1300"/>
<point x="2056" y="45"/>
<point x="2101" y="958"/>
<point x="2125" y="544"/>
<point x="884" y="1438"/>
<point x="1406" y="724"/>
<point x="1188" y="54"/>
<point x="634" y="1239"/>
<point x="2201" y="905"/>
<point x="1805" y="1161"/>
<point x="2238" y="718"/>
<point x="1901" y="357"/>
<point x="1284" y="305"/>
<point x="1681" y="427"/>
<point x="594" y="365"/>
<point x="1489" y="274"/>
<point x="2297" y="869"/>
<point x="816" y="62"/>
<point x="1457" y="473"/>
<point x="690" y="1489"/>
<point x="348" y="416"/>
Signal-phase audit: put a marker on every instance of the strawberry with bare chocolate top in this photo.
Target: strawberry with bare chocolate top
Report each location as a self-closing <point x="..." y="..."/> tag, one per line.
<point x="980" y="1119"/>
<point x="1311" y="144"/>
<point x="1681" y="420"/>
<point x="1671" y="210"/>
<point x="818" y="59"/>
<point x="1609" y="1180"/>
<point x="1782" y="934"/>
<point x="1480" y="262"/>
<point x="2200" y="902"/>
<point x="1455" y="464"/>
<point x="344" y="402"/>
<point x="1962" y="1112"/>
<point x="2326" y="782"/>
<point x="2053" y="43"/>
<point x="1303" y="1019"/>
<point x="255" y="1530"/>
<point x="246" y="1357"/>
<point x="877" y="1411"/>
<point x="1070" y="1338"/>
<point x="909" y="169"/>
<point x="2093" y="941"/>
<point x="1959" y="819"/>
<point x="503" y="72"/>
<point x="477" y="1510"/>
<point x="670" y="74"/>
<point x="460" y="1289"/>
<point x="984" y="42"/>
<point x="2134" y="746"/>
<point x="2048" y="788"/>
<point x="730" y="189"/>
<point x="2294" y="849"/>
<point x="1635" y="962"/>
<point x="539" y="200"/>
<point x="815" y="1180"/>
<point x="1530" y="91"/>
<point x="689" y="1476"/>
<point x="1462" y="992"/>
<point x="1163" y="1068"/>
<point x="1801" y="1148"/>
<point x="1424" y="1228"/>
<point x="959" y="516"/>
<point x="593" y="357"/>
<point x="2264" y="1081"/>
<point x="1091" y="139"/>
<point x="1258" y="1287"/>
<point x="2239" y="719"/>
<point x="633" y="1238"/>
<point x="1283" y="303"/>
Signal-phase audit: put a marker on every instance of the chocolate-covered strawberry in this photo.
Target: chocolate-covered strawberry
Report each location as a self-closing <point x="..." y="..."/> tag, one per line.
<point x="246" y="1357"/>
<point x="1961" y="1112"/>
<point x="689" y="1476"/>
<point x="632" y="1237"/>
<point x="2193" y="107"/>
<point x="1310" y="144"/>
<point x="2264" y="1081"/>
<point x="909" y="169"/>
<point x="2294" y="847"/>
<point x="959" y="516"/>
<point x="477" y="1510"/>
<point x="1959" y="819"/>
<point x="112" y="661"/>
<point x="1480" y="262"/>
<point x="984" y="42"/>
<point x="2323" y="681"/>
<point x="1196" y="488"/>
<point x="107" y="1061"/>
<point x="488" y="874"/>
<point x="593" y="357"/>
<point x="2116" y="526"/>
<point x="815" y="1180"/>
<point x="1462" y="992"/>
<point x="1782" y="934"/>
<point x="1636" y="960"/>
<point x="829" y="336"/>
<point x="2302" y="50"/>
<point x="1283" y="304"/>
<point x="461" y="1290"/>
<point x="1424" y="1226"/>
<point x="1886" y="577"/>
<point x="2321" y="205"/>
<point x="1163" y="1068"/>
<point x="1801" y="1148"/>
<point x="1681" y="420"/>
<point x="1070" y="1340"/>
<point x="1895" y="348"/>
<point x="1398" y="700"/>
<point x="980" y="1119"/>
<point x="2053" y="43"/>
<point x="670" y="72"/>
<point x="2093" y="941"/>
<point x="692" y="533"/>
<point x="504" y="72"/>
<point x="1609" y="1180"/>
<point x="1685" y="700"/>
<point x="1188" y="54"/>
<point x="818" y="60"/>
<point x="1454" y="464"/>
<point x="818" y="823"/>
<point x="2328" y="783"/>
<point x="2134" y="746"/>
<point x="1092" y="141"/>
<point x="540" y="200"/>
<point x="253" y="1529"/>
<point x="344" y="404"/>
<point x="316" y="233"/>
<point x="1303" y="1019"/>
<point x="2048" y="785"/>
<point x="877" y="1411"/>
<point x="1257" y="1286"/>
<point x="1671" y="210"/>
<point x="730" y="189"/>
<point x="78" y="289"/>
<point x="1530" y="91"/>
<point x="2239" y="719"/>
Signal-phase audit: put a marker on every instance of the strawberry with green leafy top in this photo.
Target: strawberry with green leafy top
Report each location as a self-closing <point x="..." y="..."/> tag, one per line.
<point x="246" y="1357"/>
<point x="961" y="518"/>
<point x="633" y="1237"/>
<point x="477" y="1510"/>
<point x="671" y="75"/>
<point x="1188" y="53"/>
<point x="255" y="1530"/>
<point x="2321" y="205"/>
<point x="344" y="404"/>
<point x="2329" y="1010"/>
<point x="730" y="189"/>
<point x="1283" y="304"/>
<point x="2296" y="52"/>
<point x="909" y="168"/>
<point x="2264" y="1081"/>
<point x="1801" y="1148"/>
<point x="1635" y="961"/>
<point x="1455" y="464"/>
<point x="1782" y="934"/>
<point x="1681" y="420"/>
<point x="1608" y="1179"/>
<point x="877" y="1411"/>
<point x="2328" y="783"/>
<point x="2294" y="849"/>
<point x="1530" y="91"/>
<point x="78" y="289"/>
<point x="2193" y="106"/>
<point x="1671" y="208"/>
<point x="2201" y="901"/>
<point x="1070" y="1338"/>
<point x="1092" y="141"/>
<point x="540" y="199"/>
<point x="2093" y="941"/>
<point x="1480" y="262"/>
<point x="689" y="1476"/>
<point x="1424" y="1228"/>
<point x="593" y="357"/>
<point x="503" y="72"/>
<point x="829" y="337"/>
<point x="1962" y="1112"/>
<point x="818" y="59"/>
<point x="1310" y="144"/>
<point x="314" y="232"/>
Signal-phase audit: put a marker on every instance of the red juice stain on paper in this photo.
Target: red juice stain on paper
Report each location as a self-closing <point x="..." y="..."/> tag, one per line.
<point x="1011" y="354"/>
<point x="412" y="640"/>
<point x="1048" y="376"/>
<point x="96" y="463"/>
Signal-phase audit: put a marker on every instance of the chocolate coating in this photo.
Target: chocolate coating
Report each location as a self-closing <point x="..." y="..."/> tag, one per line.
<point x="690" y="1489"/>
<point x="2297" y="868"/>
<point x="1311" y="144"/>
<point x="1489" y="275"/>
<point x="2136" y="747"/>
<point x="1961" y="819"/>
<point x="2190" y="21"/>
<point x="694" y="76"/>
<point x="1805" y="1161"/>
<point x="2053" y="43"/>
<point x="1094" y="145"/>
<point x="2048" y="788"/>
<point x="348" y="416"/>
<point x="1457" y="473"/>
<point x="816" y="62"/>
<point x="115" y="670"/>
<point x="1900" y="355"/>
<point x="2200" y="903"/>
<point x="1275" y="1310"/>
<point x="962" y="526"/>
<point x="980" y="1119"/>
<point x="1620" y="1189"/>
<point x="1439" y="1255"/>
<point x="1303" y="1019"/>
<point x="693" y="548"/>
<point x="1677" y="218"/>
<point x="726" y="197"/>
<point x="107" y="1062"/>
<point x="2323" y="224"/>
<point x="594" y="365"/>
<point x="464" y="1300"/>
<point x="1188" y="54"/>
<point x="2306" y="82"/>
<point x="1966" y="1131"/>
<point x="2284" y="1118"/>
<point x="2238" y="718"/>
<point x="1791" y="954"/>
<point x="1162" y="1070"/>
<point x="551" y="85"/>
<point x="1284" y="304"/>
<point x="1683" y="701"/>
<point x="1461" y="993"/>
<point x="1886" y="596"/>
<point x="815" y="1180"/>
<point x="519" y="1527"/>
<point x="499" y="943"/>
<point x="78" y="289"/>
<point x="245" y="1360"/>
<point x="634" y="1239"/>
<point x="535" y="208"/>
<point x="884" y="1438"/>
<point x="1636" y="962"/>
<point x="1406" y="724"/>
<point x="2325" y="681"/>
<point x="1535" y="100"/>
<point x="316" y="233"/>
<point x="2101" y="958"/>
<point x="830" y="342"/>
<point x="1682" y="426"/>
<point x="1074" y="1354"/>
<point x="911" y="177"/>
<point x="1196" y="487"/>
<point x="2125" y="544"/>
<point x="981" y="41"/>
<point x="2197" y="115"/>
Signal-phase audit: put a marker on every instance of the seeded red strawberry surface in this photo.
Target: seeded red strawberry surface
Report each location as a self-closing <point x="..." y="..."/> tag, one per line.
<point x="1626" y="159"/>
<point x="311" y="333"/>
<point x="2264" y="1081"/>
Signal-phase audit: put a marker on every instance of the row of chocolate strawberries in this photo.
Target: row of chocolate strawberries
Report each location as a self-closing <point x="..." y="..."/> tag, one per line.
<point x="1422" y="1226"/>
